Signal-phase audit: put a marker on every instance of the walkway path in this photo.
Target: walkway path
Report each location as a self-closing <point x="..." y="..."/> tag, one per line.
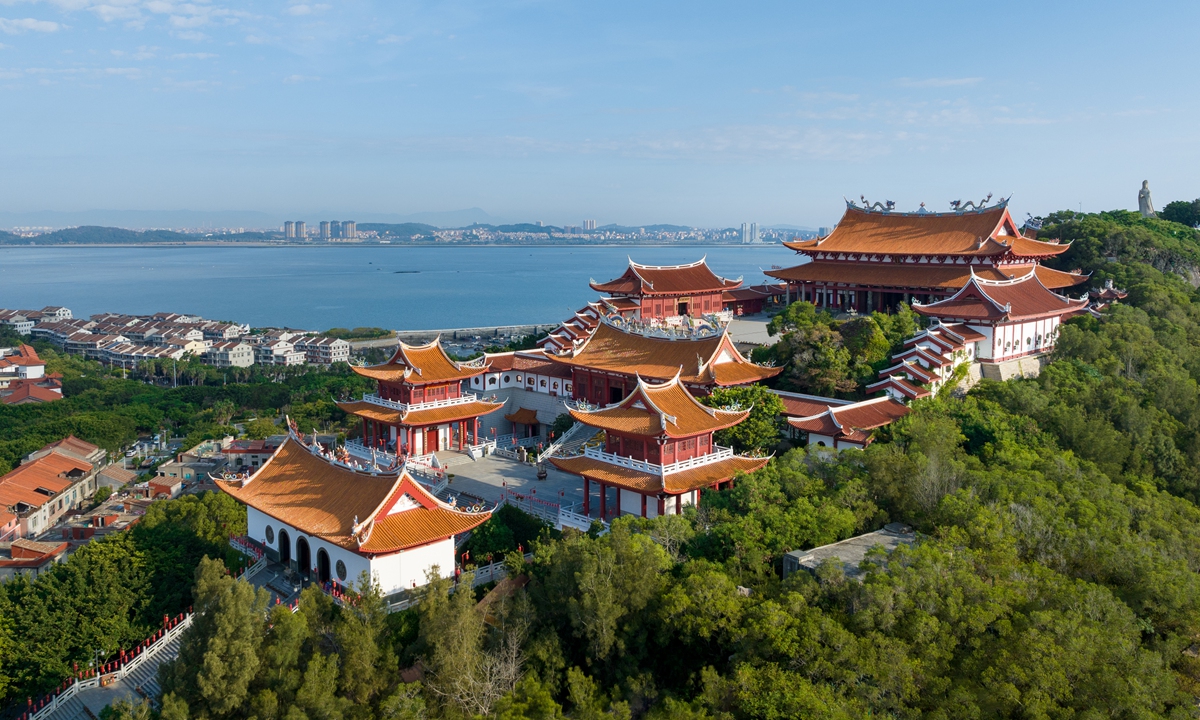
<point x="88" y="703"/>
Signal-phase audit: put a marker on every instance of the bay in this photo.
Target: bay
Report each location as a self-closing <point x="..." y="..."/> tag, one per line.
<point x="396" y="287"/>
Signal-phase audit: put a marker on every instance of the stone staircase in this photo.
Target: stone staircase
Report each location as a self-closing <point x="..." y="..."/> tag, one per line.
<point x="572" y="442"/>
<point x="87" y="704"/>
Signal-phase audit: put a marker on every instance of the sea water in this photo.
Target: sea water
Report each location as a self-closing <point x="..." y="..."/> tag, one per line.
<point x="396" y="287"/>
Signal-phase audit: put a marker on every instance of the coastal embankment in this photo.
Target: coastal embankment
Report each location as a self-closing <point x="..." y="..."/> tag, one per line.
<point x="413" y="337"/>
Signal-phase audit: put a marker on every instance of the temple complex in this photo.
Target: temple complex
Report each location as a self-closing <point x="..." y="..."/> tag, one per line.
<point x="610" y="362"/>
<point x="877" y="258"/>
<point x="658" y="453"/>
<point x="330" y="522"/>
<point x="419" y="407"/>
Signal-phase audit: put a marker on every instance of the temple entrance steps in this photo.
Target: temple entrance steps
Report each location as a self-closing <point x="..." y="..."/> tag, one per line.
<point x="572" y="442"/>
<point x="450" y="458"/>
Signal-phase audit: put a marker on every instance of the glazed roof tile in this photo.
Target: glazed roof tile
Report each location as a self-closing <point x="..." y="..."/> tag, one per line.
<point x="1002" y="301"/>
<point x="665" y="409"/>
<point x="914" y="275"/>
<point x="706" y="361"/>
<point x="523" y="416"/>
<point x="988" y="232"/>
<point x="421" y="365"/>
<point x="801" y="405"/>
<point x="666" y="280"/>
<point x="673" y="483"/>
<point x="912" y="392"/>
<point x="853" y="422"/>
<point x="428" y="416"/>
<point x="322" y="499"/>
<point x="967" y="334"/>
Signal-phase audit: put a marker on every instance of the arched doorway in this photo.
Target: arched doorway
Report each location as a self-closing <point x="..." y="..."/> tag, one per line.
<point x="285" y="548"/>
<point x="303" y="557"/>
<point x="322" y="565"/>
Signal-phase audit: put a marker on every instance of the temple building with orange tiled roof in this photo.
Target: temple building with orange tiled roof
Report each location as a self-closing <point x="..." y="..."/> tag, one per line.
<point x="330" y="522"/>
<point x="658" y="453"/>
<point x="849" y="425"/>
<point x="876" y="257"/>
<point x="661" y="292"/>
<point x="419" y="407"/>
<point x="653" y="295"/>
<point x="607" y="365"/>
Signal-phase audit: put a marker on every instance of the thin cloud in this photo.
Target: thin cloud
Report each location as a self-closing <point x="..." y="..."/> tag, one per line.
<point x="306" y="9"/>
<point x="193" y="56"/>
<point x="293" y="79"/>
<point x="12" y="27"/>
<point x="393" y="39"/>
<point x="938" y="82"/>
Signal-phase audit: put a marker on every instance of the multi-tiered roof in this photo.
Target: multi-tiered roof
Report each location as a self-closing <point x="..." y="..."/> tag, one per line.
<point x="994" y="302"/>
<point x="698" y="359"/>
<point x="366" y="513"/>
<point x="426" y="364"/>
<point x="666" y="280"/>
<point x="923" y="251"/>
<point x="405" y="384"/>
<point x="654" y="418"/>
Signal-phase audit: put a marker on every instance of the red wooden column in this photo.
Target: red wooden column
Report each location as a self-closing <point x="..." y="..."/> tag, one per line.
<point x="643" y="506"/>
<point x="603" y="499"/>
<point x="587" y="497"/>
<point x="364" y="434"/>
<point x="662" y="506"/>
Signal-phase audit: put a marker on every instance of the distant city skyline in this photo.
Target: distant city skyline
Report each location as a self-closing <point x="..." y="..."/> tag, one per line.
<point x="702" y="115"/>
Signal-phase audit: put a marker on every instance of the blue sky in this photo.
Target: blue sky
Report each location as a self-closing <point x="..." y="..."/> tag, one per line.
<point x="692" y="113"/>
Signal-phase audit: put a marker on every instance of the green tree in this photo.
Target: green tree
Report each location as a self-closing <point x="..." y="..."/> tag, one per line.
<point x="759" y="432"/>
<point x="1182" y="212"/>
<point x="219" y="654"/>
<point x="261" y="428"/>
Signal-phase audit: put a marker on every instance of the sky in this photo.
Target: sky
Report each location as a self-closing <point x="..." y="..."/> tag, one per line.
<point x="696" y="113"/>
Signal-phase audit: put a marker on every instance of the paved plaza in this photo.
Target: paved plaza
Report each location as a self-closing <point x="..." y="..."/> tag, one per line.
<point x="489" y="477"/>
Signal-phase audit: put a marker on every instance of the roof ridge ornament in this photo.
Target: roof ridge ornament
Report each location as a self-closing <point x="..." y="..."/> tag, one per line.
<point x="886" y="206"/>
<point x="960" y="207"/>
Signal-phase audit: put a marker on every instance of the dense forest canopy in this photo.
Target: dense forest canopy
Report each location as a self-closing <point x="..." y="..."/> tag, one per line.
<point x="1056" y="573"/>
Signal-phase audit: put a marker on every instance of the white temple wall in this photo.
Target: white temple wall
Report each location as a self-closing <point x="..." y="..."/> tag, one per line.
<point x="407" y="569"/>
<point x="394" y="572"/>
<point x="821" y="440"/>
<point x="257" y="522"/>
<point x="1016" y="339"/>
<point x="631" y="502"/>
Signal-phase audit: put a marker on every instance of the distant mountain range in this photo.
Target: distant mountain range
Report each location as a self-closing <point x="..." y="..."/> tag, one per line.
<point x="198" y="219"/>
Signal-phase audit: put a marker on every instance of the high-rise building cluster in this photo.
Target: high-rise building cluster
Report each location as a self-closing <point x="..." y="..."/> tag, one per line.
<point x="295" y="229"/>
<point x="327" y="230"/>
<point x="750" y="233"/>
<point x="589" y="224"/>
<point x="338" y="229"/>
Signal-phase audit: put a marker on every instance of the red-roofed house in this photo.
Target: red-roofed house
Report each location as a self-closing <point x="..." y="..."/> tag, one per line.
<point x="26" y="557"/>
